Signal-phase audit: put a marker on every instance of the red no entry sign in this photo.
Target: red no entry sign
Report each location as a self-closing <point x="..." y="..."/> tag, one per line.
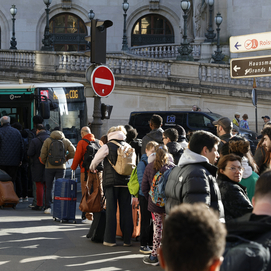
<point x="102" y="81"/>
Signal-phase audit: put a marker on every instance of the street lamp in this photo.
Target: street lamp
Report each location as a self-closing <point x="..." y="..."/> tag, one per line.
<point x="125" y="7"/>
<point x="218" y="56"/>
<point x="185" y="50"/>
<point x="210" y="35"/>
<point x="47" y="41"/>
<point x="91" y="14"/>
<point x="13" y="42"/>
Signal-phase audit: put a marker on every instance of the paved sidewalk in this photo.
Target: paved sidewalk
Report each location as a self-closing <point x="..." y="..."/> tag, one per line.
<point x="31" y="240"/>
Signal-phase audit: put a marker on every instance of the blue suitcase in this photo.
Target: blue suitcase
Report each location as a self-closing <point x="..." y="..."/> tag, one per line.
<point x="65" y="197"/>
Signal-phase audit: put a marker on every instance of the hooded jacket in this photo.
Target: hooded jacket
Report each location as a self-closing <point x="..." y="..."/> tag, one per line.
<point x="249" y="178"/>
<point x="109" y="151"/>
<point x="140" y="171"/>
<point x="193" y="180"/>
<point x="234" y="197"/>
<point x="68" y="146"/>
<point x="154" y="135"/>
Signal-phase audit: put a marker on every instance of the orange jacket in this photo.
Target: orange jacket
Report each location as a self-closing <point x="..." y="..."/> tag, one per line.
<point x="80" y="152"/>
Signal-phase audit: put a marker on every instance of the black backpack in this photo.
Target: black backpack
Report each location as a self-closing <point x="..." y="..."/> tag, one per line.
<point x="91" y="150"/>
<point x="57" y="153"/>
<point x="243" y="254"/>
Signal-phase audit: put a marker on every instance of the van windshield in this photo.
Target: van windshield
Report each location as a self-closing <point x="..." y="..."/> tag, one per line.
<point x="213" y="115"/>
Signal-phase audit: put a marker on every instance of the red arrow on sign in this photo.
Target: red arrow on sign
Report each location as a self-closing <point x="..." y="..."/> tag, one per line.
<point x="102" y="81"/>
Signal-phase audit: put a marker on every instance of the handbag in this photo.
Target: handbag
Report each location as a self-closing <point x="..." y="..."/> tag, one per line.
<point x="92" y="202"/>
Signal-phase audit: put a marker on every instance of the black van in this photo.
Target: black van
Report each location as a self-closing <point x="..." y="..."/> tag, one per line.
<point x="189" y="120"/>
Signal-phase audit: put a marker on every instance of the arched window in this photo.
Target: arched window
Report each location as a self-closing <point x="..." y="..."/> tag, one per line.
<point x="68" y="32"/>
<point x="152" y="29"/>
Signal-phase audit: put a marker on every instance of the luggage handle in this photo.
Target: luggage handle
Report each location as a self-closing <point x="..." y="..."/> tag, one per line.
<point x="73" y="175"/>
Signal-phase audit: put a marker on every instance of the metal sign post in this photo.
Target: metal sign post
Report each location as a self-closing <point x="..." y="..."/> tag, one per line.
<point x="254" y="102"/>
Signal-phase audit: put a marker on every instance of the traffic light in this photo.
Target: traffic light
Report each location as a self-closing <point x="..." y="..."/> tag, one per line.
<point x="98" y="40"/>
<point x="106" y="111"/>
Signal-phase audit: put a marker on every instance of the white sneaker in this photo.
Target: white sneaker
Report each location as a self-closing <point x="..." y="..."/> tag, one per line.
<point x="86" y="221"/>
<point x="47" y="211"/>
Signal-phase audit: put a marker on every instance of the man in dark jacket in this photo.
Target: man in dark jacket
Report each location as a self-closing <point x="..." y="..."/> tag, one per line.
<point x="156" y="133"/>
<point x="170" y="137"/>
<point x="193" y="180"/>
<point x="11" y="148"/>
<point x="224" y="130"/>
<point x="254" y="227"/>
<point x="37" y="168"/>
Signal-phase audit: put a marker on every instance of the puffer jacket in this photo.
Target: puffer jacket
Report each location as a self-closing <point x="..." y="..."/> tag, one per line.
<point x="11" y="146"/>
<point x="176" y="150"/>
<point x="109" y="151"/>
<point x="154" y="135"/>
<point x="147" y="183"/>
<point x="193" y="180"/>
<point x="68" y="146"/>
<point x="140" y="171"/>
<point x="234" y="197"/>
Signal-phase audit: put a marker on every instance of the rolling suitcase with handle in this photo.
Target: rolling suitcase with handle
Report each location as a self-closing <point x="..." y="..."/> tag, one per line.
<point x="65" y="197"/>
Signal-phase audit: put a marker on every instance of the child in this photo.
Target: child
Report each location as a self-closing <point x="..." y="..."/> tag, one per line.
<point x="161" y="163"/>
<point x="244" y="123"/>
<point x="145" y="214"/>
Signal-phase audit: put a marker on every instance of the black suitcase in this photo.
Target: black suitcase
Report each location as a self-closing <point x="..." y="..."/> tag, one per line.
<point x="97" y="228"/>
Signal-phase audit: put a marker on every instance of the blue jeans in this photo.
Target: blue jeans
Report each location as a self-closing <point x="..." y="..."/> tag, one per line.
<point x="123" y="196"/>
<point x="49" y="175"/>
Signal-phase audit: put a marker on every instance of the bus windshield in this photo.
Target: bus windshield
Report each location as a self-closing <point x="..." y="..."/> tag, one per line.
<point x="67" y="111"/>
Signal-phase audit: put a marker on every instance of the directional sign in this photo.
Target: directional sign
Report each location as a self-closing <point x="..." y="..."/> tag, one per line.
<point x="102" y="81"/>
<point x="249" y="43"/>
<point x="250" y="67"/>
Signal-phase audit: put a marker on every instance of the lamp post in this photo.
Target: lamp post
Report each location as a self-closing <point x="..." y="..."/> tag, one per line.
<point x="47" y="41"/>
<point x="13" y="42"/>
<point x="91" y="16"/>
<point x="210" y="35"/>
<point x="185" y="50"/>
<point x="125" y="7"/>
<point x="218" y="56"/>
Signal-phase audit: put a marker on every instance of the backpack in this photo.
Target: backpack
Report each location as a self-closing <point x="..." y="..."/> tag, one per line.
<point x="91" y="150"/>
<point x="156" y="197"/>
<point x="243" y="254"/>
<point x="161" y="186"/>
<point x="126" y="159"/>
<point x="56" y="153"/>
<point x="133" y="184"/>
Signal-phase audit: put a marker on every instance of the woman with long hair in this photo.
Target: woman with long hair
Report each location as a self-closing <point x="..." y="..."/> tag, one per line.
<point x="162" y="162"/>
<point x="234" y="197"/>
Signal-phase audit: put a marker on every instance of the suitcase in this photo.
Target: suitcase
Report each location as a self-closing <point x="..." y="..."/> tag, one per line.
<point x="97" y="228"/>
<point x="136" y="219"/>
<point x="65" y="197"/>
<point x="8" y="197"/>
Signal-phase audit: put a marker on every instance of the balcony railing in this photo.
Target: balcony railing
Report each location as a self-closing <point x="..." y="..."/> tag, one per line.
<point x="64" y="62"/>
<point x="169" y="51"/>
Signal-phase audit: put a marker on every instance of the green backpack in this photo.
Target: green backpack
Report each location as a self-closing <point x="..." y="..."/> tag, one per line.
<point x="133" y="184"/>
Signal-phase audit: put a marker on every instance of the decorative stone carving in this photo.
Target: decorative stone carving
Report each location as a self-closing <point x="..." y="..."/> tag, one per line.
<point x="200" y="19"/>
<point x="154" y="5"/>
<point x="66" y="4"/>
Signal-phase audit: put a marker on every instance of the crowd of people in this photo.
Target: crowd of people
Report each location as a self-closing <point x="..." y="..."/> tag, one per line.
<point x="210" y="182"/>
